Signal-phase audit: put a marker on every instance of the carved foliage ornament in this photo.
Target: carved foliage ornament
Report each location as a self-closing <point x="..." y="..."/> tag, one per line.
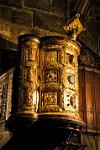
<point x="74" y="27"/>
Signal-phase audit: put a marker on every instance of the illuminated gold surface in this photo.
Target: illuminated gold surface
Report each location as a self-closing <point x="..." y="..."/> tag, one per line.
<point x="74" y="27"/>
<point x="59" y="78"/>
<point x="49" y="77"/>
<point x="28" y="89"/>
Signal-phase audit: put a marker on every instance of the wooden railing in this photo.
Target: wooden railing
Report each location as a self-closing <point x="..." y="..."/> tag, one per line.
<point x="5" y="95"/>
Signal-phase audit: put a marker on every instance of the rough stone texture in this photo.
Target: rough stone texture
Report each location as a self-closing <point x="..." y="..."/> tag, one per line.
<point x="6" y="44"/>
<point x="9" y="33"/>
<point x="16" y="16"/>
<point x="90" y="36"/>
<point x="97" y="12"/>
<point x="58" y="7"/>
<point x="38" y="4"/>
<point x="48" y="22"/>
<point x="42" y="32"/>
<point x="13" y="3"/>
<point x="51" y="15"/>
<point x="88" y="57"/>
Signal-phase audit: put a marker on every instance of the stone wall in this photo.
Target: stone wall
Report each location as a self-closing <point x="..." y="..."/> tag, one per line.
<point x="39" y="17"/>
<point x="46" y="17"/>
<point x="43" y="18"/>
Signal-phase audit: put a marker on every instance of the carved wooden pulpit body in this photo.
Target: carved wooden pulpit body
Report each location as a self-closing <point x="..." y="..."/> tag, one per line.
<point x="28" y="97"/>
<point x="59" y="78"/>
<point x="48" y="80"/>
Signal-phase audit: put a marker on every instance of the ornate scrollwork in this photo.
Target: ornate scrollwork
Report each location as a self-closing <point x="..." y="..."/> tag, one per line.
<point x="50" y="57"/>
<point x="60" y="84"/>
<point x="29" y="72"/>
<point x="74" y="27"/>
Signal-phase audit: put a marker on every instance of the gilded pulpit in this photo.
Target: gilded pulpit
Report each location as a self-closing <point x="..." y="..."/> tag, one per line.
<point x="48" y="84"/>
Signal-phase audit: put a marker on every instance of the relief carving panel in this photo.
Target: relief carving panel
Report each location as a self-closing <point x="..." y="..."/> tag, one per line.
<point x="59" y="84"/>
<point x="29" y="64"/>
